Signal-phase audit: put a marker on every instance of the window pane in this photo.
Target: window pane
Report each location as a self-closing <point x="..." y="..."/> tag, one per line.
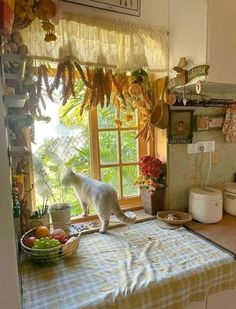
<point x="129" y="146"/>
<point x="109" y="175"/>
<point x="108" y="147"/>
<point x="129" y="174"/>
<point x="106" y="117"/>
<point x="57" y="148"/>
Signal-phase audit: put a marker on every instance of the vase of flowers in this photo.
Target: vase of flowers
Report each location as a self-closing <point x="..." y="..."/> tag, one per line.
<point x="151" y="182"/>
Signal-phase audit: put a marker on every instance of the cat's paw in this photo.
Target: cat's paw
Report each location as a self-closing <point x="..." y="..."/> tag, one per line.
<point x="102" y="231"/>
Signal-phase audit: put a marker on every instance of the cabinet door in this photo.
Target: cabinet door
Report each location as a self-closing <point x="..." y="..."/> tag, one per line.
<point x="222" y="41"/>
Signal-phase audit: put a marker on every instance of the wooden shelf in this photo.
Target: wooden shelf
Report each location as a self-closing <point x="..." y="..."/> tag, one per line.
<point x="11" y="57"/>
<point x="14" y="100"/>
<point x="16" y="59"/>
<point x="18" y="151"/>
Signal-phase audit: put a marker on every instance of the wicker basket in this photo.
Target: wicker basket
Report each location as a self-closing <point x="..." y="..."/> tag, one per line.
<point x="174" y="217"/>
<point x="53" y="255"/>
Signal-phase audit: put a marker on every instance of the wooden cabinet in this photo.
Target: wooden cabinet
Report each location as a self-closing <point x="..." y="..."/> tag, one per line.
<point x="221" y="41"/>
<point x="203" y="31"/>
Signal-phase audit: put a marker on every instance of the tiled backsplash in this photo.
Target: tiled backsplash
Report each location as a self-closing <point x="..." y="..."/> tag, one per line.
<point x="190" y="170"/>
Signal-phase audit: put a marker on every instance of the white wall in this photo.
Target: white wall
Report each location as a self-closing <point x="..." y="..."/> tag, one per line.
<point x="187" y="28"/>
<point x="153" y="12"/>
<point x="221" y="41"/>
<point x="9" y="282"/>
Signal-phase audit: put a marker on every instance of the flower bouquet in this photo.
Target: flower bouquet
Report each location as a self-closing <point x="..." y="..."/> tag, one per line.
<point x="151" y="183"/>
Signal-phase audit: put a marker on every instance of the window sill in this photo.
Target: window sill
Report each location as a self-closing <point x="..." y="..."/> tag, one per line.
<point x="91" y="220"/>
<point x="93" y="216"/>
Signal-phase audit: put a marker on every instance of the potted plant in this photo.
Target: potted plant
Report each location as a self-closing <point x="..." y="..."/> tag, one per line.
<point x="60" y="211"/>
<point x="151" y="182"/>
<point x="40" y="216"/>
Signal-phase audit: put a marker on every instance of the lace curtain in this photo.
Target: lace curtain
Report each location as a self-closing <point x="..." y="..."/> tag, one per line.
<point x="101" y="42"/>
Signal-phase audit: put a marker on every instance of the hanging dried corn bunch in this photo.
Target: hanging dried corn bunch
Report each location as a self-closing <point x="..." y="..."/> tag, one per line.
<point x="120" y="86"/>
<point x="99" y="87"/>
<point x="43" y="77"/>
<point x="66" y="74"/>
<point x="103" y="87"/>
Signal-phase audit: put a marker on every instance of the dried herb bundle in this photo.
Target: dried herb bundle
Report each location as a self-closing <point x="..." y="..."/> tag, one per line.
<point x="101" y="88"/>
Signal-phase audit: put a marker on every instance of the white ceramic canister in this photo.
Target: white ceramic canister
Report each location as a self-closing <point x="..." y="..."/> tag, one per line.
<point x="230" y="198"/>
<point x="60" y="213"/>
<point x="206" y="204"/>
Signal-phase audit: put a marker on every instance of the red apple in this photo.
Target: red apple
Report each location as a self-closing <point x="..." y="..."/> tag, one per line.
<point x="59" y="234"/>
<point x="65" y="240"/>
<point x="29" y="241"/>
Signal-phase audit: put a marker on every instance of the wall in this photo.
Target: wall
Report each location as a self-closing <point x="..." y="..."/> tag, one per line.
<point x="153" y="12"/>
<point x="221" y="33"/>
<point x="9" y="281"/>
<point x="190" y="170"/>
<point x="188" y="37"/>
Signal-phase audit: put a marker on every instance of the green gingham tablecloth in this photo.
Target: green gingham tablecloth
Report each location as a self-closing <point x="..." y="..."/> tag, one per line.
<point x="141" y="266"/>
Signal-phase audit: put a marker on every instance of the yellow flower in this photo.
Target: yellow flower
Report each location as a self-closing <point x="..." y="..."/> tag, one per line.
<point x="118" y="123"/>
<point x="128" y="117"/>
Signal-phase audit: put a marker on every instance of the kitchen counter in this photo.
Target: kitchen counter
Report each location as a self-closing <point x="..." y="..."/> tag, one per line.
<point x="222" y="234"/>
<point x="137" y="266"/>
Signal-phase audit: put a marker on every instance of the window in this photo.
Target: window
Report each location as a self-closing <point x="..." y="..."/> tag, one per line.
<point x="99" y="148"/>
<point x="116" y="151"/>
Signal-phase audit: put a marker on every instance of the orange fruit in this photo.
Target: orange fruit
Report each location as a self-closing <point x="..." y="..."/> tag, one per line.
<point x="42" y="231"/>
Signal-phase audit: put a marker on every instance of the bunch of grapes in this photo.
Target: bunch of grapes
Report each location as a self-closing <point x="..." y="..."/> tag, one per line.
<point x="46" y="243"/>
<point x="49" y="250"/>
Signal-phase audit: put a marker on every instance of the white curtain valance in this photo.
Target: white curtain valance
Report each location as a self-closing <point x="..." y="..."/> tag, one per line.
<point x="101" y="42"/>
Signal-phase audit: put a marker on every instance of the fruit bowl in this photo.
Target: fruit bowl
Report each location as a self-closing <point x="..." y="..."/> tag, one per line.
<point x="174" y="217"/>
<point x="49" y="251"/>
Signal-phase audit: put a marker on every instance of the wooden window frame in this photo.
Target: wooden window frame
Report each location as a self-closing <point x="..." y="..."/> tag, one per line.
<point x="143" y="148"/>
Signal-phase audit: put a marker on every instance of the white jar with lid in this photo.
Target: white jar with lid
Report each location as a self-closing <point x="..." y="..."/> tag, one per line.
<point x="206" y="204"/>
<point x="230" y="198"/>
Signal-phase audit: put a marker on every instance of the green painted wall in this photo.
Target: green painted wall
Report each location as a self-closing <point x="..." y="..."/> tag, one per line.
<point x="190" y="170"/>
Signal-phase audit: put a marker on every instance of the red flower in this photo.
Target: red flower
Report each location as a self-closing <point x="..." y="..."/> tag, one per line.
<point x="150" y="166"/>
<point x="152" y="174"/>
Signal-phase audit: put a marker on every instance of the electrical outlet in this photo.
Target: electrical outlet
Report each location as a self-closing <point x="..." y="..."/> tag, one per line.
<point x="209" y="146"/>
<point x="205" y="146"/>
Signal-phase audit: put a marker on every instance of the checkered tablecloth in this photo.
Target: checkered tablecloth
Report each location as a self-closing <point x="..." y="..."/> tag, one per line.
<point x="141" y="266"/>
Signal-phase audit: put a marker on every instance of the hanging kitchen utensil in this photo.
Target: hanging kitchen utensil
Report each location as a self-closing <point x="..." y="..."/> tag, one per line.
<point x="160" y="115"/>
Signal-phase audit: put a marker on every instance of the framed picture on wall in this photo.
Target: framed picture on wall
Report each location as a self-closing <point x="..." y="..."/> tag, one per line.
<point x="209" y="122"/>
<point x="180" y="127"/>
<point x="129" y="7"/>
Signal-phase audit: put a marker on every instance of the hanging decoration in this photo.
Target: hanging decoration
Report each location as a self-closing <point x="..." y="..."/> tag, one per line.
<point x="6" y="16"/>
<point x="184" y="76"/>
<point x="102" y="88"/>
<point x="25" y="84"/>
<point x="45" y="10"/>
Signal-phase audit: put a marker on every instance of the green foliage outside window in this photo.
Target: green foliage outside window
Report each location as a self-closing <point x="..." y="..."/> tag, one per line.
<point x="50" y="163"/>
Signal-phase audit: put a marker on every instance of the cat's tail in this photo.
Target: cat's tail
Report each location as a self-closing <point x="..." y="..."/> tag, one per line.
<point x="122" y="216"/>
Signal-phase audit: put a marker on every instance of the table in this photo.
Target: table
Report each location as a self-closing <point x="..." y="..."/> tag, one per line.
<point x="140" y="266"/>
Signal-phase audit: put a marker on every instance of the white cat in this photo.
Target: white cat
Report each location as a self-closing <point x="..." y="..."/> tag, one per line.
<point x="98" y="194"/>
